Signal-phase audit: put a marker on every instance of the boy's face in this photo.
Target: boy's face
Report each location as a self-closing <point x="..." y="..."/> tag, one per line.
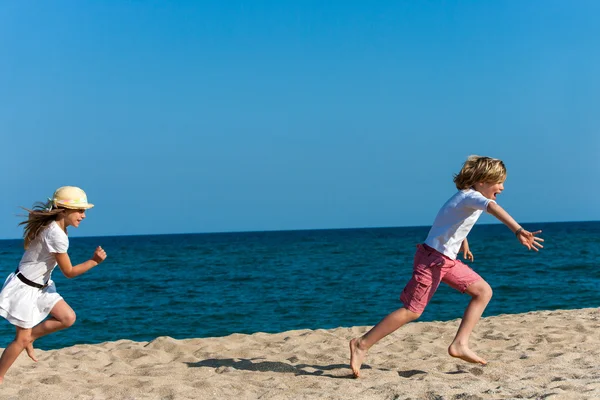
<point x="490" y="190"/>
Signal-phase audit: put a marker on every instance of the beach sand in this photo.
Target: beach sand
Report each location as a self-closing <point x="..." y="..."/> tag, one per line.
<point x="538" y="355"/>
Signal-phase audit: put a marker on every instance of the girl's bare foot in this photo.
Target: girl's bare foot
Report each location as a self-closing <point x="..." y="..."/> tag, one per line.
<point x="357" y="356"/>
<point x="464" y="353"/>
<point x="30" y="352"/>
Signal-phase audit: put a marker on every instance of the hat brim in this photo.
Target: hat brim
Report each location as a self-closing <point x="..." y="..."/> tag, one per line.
<point x="86" y="206"/>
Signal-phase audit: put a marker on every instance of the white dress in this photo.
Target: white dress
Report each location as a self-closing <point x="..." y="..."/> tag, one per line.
<point x="26" y="306"/>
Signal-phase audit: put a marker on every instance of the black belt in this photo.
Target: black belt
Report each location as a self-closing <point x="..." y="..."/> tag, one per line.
<point x="28" y="282"/>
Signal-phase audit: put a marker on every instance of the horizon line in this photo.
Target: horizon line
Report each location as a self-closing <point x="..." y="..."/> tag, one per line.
<point x="296" y="230"/>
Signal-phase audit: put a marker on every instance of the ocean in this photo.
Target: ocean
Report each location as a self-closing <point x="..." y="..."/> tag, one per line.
<point x="203" y="285"/>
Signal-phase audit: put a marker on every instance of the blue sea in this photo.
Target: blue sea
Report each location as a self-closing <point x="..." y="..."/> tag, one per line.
<point x="203" y="285"/>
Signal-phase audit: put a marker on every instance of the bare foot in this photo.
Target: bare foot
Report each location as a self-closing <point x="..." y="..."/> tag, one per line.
<point x="1" y="380"/>
<point x="30" y="353"/>
<point x="357" y="356"/>
<point x="464" y="353"/>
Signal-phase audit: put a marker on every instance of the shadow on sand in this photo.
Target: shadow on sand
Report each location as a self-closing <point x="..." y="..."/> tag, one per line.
<point x="255" y="364"/>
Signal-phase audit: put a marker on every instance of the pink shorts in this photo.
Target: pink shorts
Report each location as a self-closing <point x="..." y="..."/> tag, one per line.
<point x="430" y="268"/>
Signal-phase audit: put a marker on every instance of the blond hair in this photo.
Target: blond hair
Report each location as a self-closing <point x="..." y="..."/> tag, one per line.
<point x="40" y="216"/>
<point x="480" y="169"/>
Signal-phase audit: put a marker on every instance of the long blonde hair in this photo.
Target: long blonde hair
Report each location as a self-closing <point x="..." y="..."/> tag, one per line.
<point x="40" y="216"/>
<point x="480" y="169"/>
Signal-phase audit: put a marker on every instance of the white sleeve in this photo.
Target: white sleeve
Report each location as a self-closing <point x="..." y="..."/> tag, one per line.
<point x="477" y="201"/>
<point x="56" y="241"/>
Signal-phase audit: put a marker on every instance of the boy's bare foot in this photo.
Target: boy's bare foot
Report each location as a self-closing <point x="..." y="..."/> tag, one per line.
<point x="30" y="352"/>
<point x="464" y="353"/>
<point x="357" y="356"/>
<point x="1" y="380"/>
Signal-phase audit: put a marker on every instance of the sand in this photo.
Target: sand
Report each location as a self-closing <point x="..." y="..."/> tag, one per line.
<point x="538" y="355"/>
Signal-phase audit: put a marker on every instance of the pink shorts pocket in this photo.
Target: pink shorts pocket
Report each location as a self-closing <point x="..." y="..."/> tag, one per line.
<point x="426" y="277"/>
<point x="417" y="288"/>
<point x="417" y="293"/>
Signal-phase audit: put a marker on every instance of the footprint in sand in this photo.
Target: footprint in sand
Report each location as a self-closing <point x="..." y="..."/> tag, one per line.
<point x="51" y="380"/>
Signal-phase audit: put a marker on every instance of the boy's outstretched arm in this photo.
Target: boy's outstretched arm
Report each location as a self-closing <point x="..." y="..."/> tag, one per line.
<point x="527" y="239"/>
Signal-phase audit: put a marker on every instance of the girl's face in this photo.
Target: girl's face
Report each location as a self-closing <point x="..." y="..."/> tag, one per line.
<point x="74" y="217"/>
<point x="490" y="190"/>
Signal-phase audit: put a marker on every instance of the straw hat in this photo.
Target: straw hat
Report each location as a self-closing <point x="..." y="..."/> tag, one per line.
<point x="70" y="197"/>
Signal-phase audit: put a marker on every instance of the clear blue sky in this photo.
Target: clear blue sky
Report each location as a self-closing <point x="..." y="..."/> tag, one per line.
<point x="197" y="116"/>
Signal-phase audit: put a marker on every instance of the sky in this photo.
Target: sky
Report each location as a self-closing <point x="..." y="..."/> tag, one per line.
<point x="213" y="116"/>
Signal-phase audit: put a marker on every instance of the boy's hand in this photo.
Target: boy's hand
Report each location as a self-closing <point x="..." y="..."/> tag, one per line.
<point x="529" y="239"/>
<point x="464" y="247"/>
<point x="99" y="255"/>
<point x="467" y="255"/>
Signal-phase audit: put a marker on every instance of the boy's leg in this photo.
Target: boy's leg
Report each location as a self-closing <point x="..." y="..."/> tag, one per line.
<point x="392" y="322"/>
<point x="480" y="293"/>
<point x="427" y="275"/>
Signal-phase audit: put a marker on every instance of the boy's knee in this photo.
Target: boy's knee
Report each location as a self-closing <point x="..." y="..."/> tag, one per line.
<point x="490" y="292"/>
<point x="487" y="292"/>
<point x="412" y="316"/>
<point x="482" y="290"/>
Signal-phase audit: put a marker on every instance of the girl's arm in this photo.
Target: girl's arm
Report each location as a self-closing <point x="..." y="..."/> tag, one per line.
<point x="70" y="271"/>
<point x="527" y="239"/>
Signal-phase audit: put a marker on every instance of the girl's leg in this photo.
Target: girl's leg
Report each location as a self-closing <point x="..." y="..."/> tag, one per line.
<point x="12" y="351"/>
<point x="481" y="293"/>
<point x="392" y="322"/>
<point x="62" y="316"/>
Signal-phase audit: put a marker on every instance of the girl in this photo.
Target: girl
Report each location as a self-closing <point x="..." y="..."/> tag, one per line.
<point x="29" y="294"/>
<point x="479" y="182"/>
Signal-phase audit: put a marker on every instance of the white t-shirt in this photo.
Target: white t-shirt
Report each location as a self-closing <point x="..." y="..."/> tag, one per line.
<point x="455" y="220"/>
<point x="38" y="262"/>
